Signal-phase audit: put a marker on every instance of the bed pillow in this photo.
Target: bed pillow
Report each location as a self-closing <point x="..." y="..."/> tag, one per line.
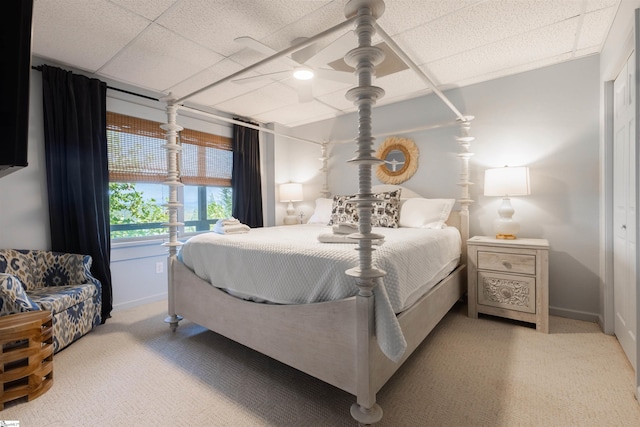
<point x="425" y="213"/>
<point x="322" y="213"/>
<point x="385" y="213"/>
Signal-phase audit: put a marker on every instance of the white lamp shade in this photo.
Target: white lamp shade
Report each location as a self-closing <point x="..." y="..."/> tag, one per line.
<point x="291" y="192"/>
<point x="507" y="181"/>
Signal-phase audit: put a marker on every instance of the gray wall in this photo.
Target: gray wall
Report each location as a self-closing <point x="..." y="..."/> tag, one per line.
<point x="24" y="213"/>
<point x="545" y="119"/>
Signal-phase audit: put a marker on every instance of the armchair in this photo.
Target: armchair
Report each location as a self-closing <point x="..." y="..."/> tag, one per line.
<point x="59" y="282"/>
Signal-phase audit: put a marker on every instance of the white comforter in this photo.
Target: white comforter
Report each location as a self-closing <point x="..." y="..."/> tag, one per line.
<point x="288" y="265"/>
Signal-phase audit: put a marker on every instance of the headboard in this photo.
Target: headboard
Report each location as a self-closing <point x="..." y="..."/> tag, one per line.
<point x="457" y="218"/>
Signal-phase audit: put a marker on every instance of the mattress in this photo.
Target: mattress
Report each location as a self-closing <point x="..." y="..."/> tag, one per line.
<point x="288" y="265"/>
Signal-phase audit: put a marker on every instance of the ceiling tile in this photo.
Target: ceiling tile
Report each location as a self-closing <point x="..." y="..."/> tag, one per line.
<point x="275" y="95"/>
<point x="297" y="114"/>
<point x="516" y="70"/>
<point x="159" y="59"/>
<point x="221" y="92"/>
<point x="323" y="18"/>
<point x="593" y="5"/>
<point x="185" y="45"/>
<point x="595" y="27"/>
<point x="400" y="85"/>
<point x="403" y="15"/>
<point x="89" y="34"/>
<point x="215" y="24"/>
<point x="519" y="50"/>
<point x="150" y="9"/>
<point x="482" y="24"/>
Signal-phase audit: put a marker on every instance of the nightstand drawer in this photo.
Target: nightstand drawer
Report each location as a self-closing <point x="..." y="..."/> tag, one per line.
<point x="511" y="292"/>
<point x="509" y="263"/>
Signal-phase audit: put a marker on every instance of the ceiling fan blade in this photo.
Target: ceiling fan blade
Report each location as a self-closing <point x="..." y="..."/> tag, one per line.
<point x="335" y="50"/>
<point x="254" y="44"/>
<point x="305" y="91"/>
<point x="301" y="56"/>
<point x="338" y="76"/>
<point x="252" y="79"/>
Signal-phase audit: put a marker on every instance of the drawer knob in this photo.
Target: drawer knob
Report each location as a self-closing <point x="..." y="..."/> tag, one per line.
<point x="506" y="264"/>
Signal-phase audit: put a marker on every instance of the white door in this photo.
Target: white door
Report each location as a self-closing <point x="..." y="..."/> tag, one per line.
<point x="624" y="204"/>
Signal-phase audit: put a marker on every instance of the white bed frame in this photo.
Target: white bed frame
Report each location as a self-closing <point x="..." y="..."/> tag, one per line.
<point x="332" y="341"/>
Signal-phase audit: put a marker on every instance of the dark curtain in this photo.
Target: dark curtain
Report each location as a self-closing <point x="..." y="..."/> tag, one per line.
<point x="77" y="170"/>
<point x="245" y="178"/>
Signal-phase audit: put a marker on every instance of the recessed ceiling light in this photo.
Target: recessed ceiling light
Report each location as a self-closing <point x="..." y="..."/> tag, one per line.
<point x="303" y="74"/>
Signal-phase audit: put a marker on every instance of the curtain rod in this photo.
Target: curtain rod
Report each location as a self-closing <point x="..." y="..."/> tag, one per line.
<point x="39" y="68"/>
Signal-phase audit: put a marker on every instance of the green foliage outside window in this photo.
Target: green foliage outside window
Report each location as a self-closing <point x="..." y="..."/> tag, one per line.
<point x="219" y="208"/>
<point x="127" y="205"/>
<point x="132" y="214"/>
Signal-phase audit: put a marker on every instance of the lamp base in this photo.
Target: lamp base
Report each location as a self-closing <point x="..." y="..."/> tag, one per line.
<point x="290" y="220"/>
<point x="505" y="227"/>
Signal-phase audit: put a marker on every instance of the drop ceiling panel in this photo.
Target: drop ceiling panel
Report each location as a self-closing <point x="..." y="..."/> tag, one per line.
<point x="404" y="15"/>
<point x="184" y="45"/>
<point x="337" y="100"/>
<point x="595" y="28"/>
<point x="482" y="24"/>
<point x="268" y="98"/>
<point x="401" y="85"/>
<point x="150" y="9"/>
<point x="327" y="15"/>
<point x="519" y="50"/>
<point x="593" y="5"/>
<point x="84" y="37"/>
<point x="297" y="114"/>
<point x="216" y="24"/>
<point x="159" y="59"/>
<point x="219" y="93"/>
<point x="516" y="69"/>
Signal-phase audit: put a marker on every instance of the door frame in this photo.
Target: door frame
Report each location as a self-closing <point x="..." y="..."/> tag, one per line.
<point x="607" y="320"/>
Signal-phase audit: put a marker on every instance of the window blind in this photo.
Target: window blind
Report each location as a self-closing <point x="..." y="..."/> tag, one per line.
<point x="136" y="153"/>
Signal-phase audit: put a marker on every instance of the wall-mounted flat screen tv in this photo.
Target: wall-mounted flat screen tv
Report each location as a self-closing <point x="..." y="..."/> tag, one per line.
<point x="15" y="69"/>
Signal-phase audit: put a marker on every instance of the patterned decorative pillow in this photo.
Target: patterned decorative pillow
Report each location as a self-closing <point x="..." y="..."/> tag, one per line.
<point x="343" y="211"/>
<point x="19" y="263"/>
<point x="384" y="213"/>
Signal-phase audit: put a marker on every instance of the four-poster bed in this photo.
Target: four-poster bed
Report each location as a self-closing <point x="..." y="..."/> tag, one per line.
<point x="336" y="340"/>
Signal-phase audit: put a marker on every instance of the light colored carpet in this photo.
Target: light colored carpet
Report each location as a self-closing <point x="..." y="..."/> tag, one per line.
<point x="133" y="371"/>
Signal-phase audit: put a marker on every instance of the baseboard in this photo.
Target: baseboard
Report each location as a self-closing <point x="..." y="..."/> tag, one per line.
<point x="574" y="314"/>
<point x="142" y="301"/>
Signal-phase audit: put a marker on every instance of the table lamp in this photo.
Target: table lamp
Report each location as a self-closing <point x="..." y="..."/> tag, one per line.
<point x="506" y="182"/>
<point x="289" y="193"/>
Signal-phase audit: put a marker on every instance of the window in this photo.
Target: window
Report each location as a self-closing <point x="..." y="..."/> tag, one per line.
<point x="137" y="170"/>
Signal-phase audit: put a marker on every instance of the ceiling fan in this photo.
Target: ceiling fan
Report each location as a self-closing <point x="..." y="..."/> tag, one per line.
<point x="305" y="64"/>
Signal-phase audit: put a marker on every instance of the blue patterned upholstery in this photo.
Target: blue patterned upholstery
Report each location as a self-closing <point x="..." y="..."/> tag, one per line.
<point x="59" y="282"/>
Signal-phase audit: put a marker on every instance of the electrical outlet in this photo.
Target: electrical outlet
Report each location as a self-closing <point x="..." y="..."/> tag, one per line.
<point x="159" y="267"/>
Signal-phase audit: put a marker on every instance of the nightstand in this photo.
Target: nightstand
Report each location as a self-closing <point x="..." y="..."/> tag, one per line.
<point x="510" y="279"/>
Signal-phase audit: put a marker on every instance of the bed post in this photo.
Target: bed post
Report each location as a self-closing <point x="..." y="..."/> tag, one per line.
<point x="324" y="169"/>
<point x="364" y="58"/>
<point x="173" y="181"/>
<point x="465" y="199"/>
